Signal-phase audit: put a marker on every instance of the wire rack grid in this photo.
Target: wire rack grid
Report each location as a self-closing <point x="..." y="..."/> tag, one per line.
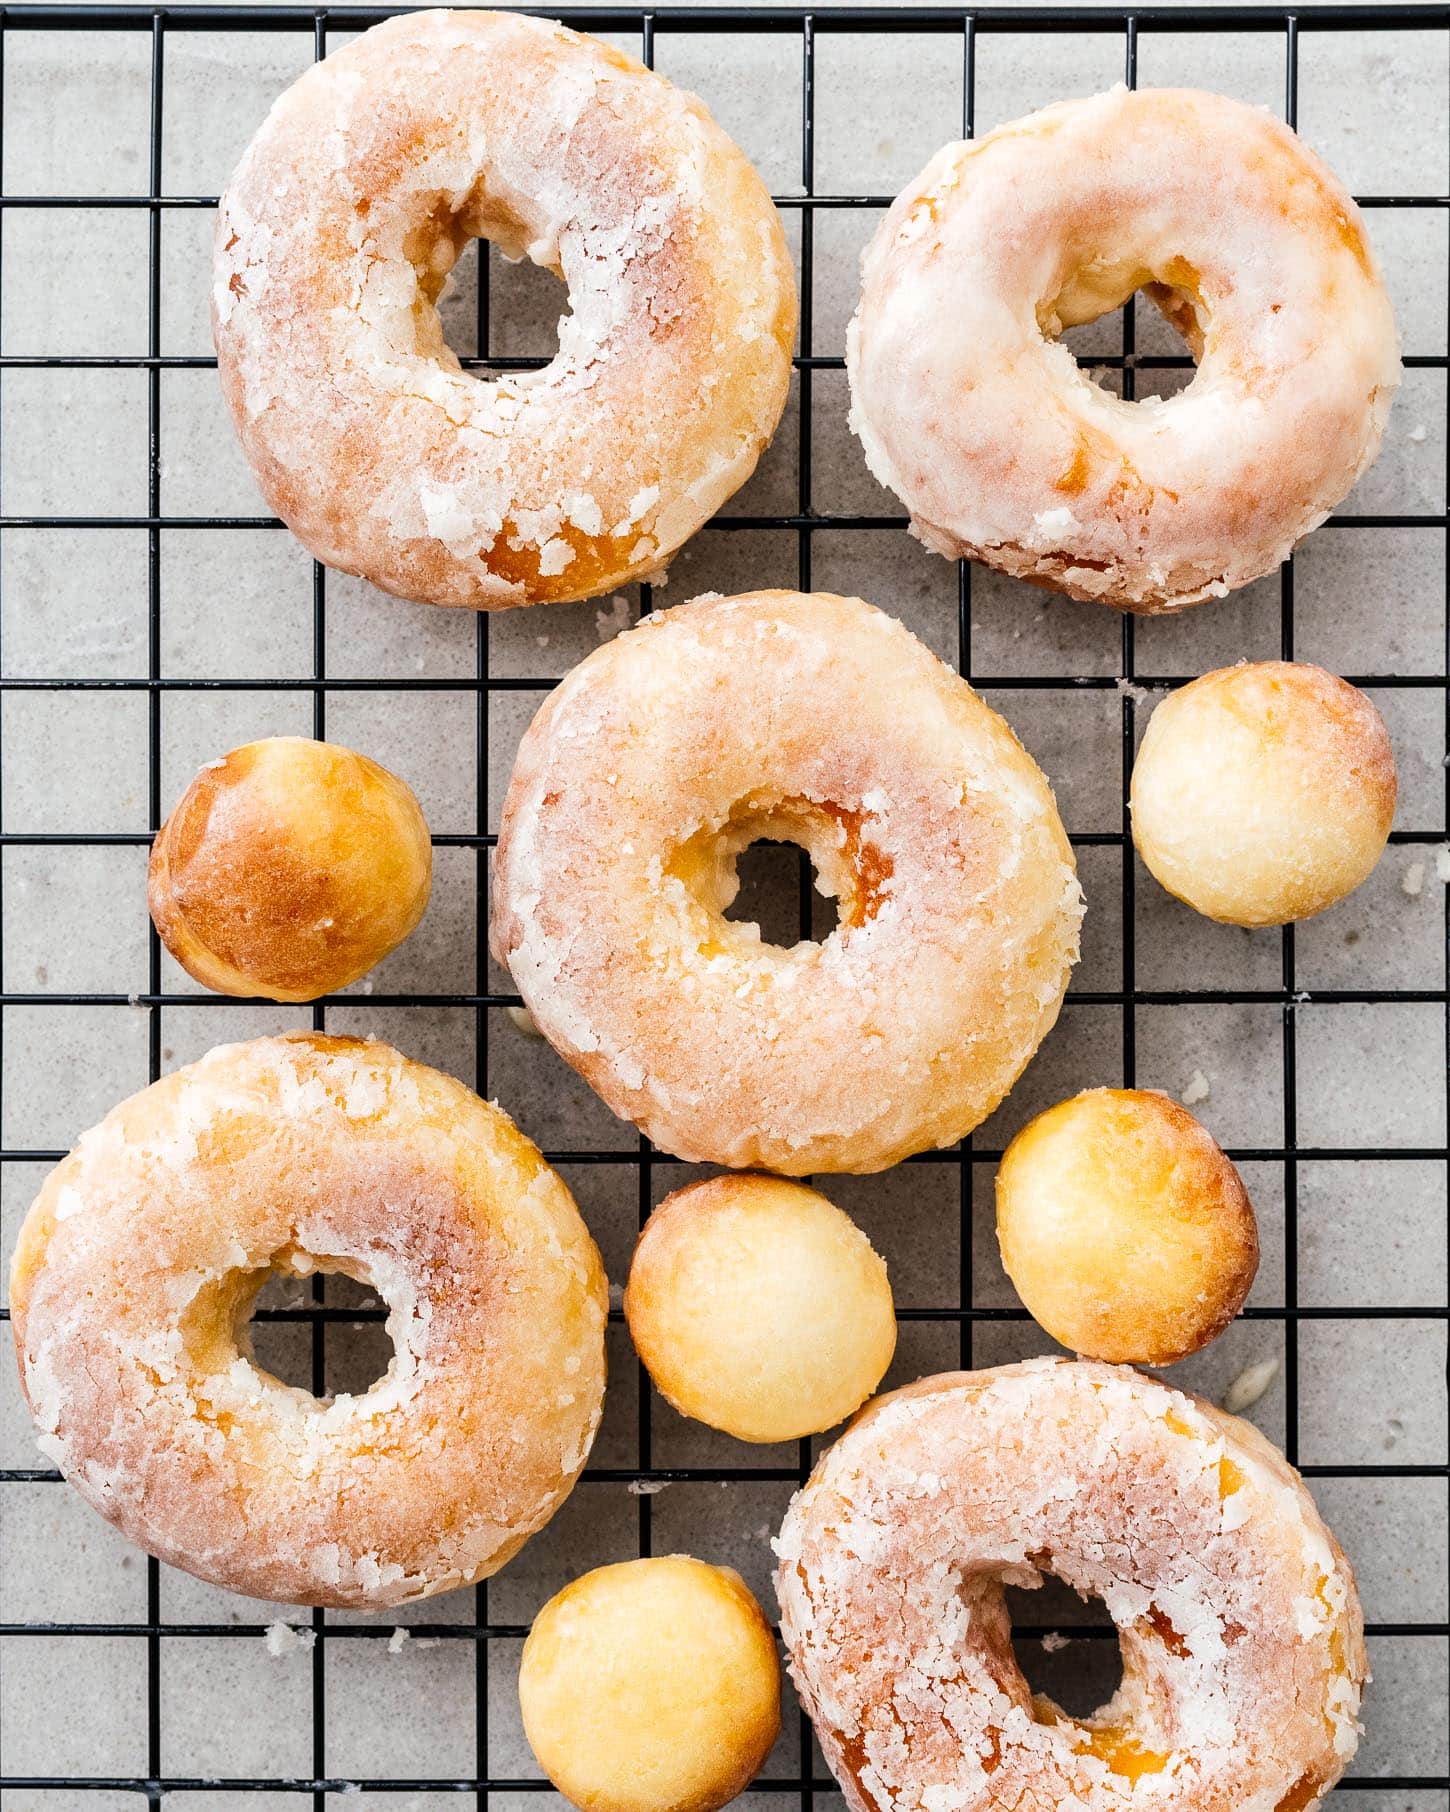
<point x="810" y="516"/>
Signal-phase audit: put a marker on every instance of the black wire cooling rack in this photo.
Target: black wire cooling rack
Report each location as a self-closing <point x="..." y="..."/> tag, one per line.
<point x="810" y="515"/>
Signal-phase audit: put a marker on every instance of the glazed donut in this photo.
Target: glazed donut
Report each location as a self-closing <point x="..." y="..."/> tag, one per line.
<point x="819" y="721"/>
<point x="972" y="411"/>
<point x="1240" y="1627"/>
<point x="138" y="1265"/>
<point x="335" y="237"/>
<point x="289" y="868"/>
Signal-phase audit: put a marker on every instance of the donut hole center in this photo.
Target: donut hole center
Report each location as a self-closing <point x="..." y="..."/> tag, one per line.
<point x="267" y="1317"/>
<point x="749" y="874"/>
<point x="488" y="283"/>
<point x="1088" y="317"/>
<point x="522" y="314"/>
<point x="780" y="894"/>
<point x="1068" y="1651"/>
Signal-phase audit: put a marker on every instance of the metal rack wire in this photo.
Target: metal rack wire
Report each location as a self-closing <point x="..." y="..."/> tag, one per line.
<point x="808" y="517"/>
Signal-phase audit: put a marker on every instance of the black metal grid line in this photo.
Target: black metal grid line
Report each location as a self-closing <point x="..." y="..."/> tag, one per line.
<point x="809" y="516"/>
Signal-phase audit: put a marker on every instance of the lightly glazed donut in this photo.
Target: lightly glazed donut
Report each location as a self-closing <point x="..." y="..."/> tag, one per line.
<point x="1242" y="1640"/>
<point x="819" y="721"/>
<point x="140" y="1260"/>
<point x="975" y="414"/>
<point x="335" y="237"/>
<point x="288" y="869"/>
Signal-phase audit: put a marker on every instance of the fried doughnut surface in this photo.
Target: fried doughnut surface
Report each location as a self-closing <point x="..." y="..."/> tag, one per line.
<point x="140" y="1260"/>
<point x="1239" y="1622"/>
<point x="815" y="720"/>
<point x="334" y="239"/>
<point x="972" y="410"/>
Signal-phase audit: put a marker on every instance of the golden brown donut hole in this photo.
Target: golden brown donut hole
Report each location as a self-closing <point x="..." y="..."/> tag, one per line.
<point x="759" y="1307"/>
<point x="288" y="869"/>
<point x="1264" y="792"/>
<point x="651" y="1686"/>
<point x="1126" y="1230"/>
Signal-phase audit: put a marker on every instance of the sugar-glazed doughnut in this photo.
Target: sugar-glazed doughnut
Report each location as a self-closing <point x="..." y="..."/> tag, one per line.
<point x="138" y="1265"/>
<point x="335" y="237"/>
<point x="819" y="721"/>
<point x="1242" y="1640"/>
<point x="971" y="409"/>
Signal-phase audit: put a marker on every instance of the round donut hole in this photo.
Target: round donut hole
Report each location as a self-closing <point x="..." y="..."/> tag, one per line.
<point x="355" y="1355"/>
<point x="1067" y="1650"/>
<point x="1155" y="337"/>
<point x="779" y="886"/>
<point x="526" y="304"/>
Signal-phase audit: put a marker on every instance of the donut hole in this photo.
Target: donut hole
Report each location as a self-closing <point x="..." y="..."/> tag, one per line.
<point x="1089" y="319"/>
<point x="527" y="304"/>
<point x="261" y="1317"/>
<point x="781" y="895"/>
<point x="748" y="873"/>
<point x="1067" y="1651"/>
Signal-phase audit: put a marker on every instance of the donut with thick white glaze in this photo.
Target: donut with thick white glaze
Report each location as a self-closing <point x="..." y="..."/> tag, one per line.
<point x="972" y="410"/>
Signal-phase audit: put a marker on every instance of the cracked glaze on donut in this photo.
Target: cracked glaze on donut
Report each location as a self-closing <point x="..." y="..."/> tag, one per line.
<point x="817" y="720"/>
<point x="140" y="1259"/>
<point x="971" y="410"/>
<point x="1240" y="1626"/>
<point x="333" y="242"/>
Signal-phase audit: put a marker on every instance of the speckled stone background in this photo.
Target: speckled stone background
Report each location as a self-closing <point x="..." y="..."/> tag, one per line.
<point x="169" y="1687"/>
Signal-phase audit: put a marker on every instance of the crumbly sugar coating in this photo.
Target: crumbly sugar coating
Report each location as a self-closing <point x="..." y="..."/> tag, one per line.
<point x="288" y="869"/>
<point x="759" y="1307"/>
<point x="820" y="720"/>
<point x="651" y="1686"/>
<point x="975" y="414"/>
<point x="1264" y="792"/>
<point x="1240" y="1626"/>
<point x="1124" y="1228"/>
<point x="335" y="237"/>
<point x="137" y="1266"/>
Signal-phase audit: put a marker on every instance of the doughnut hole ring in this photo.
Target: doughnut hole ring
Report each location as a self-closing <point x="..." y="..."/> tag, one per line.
<point x="335" y="237"/>
<point x="1237" y="1614"/>
<point x="820" y="721"/>
<point x="975" y="414"/>
<point x="140" y="1259"/>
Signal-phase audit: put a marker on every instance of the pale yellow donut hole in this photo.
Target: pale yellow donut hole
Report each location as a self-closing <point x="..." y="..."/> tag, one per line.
<point x="759" y="1307"/>
<point x="1263" y="792"/>
<point x="651" y="1686"/>
<point x="1128" y="1233"/>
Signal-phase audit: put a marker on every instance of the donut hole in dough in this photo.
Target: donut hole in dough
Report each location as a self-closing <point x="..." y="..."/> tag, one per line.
<point x="738" y="912"/>
<point x="357" y="1355"/>
<point x="222" y="1336"/>
<point x="527" y="305"/>
<point x="1066" y="1647"/>
<point x="780" y="894"/>
<point x="1087" y="319"/>
<point x="1095" y="1684"/>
